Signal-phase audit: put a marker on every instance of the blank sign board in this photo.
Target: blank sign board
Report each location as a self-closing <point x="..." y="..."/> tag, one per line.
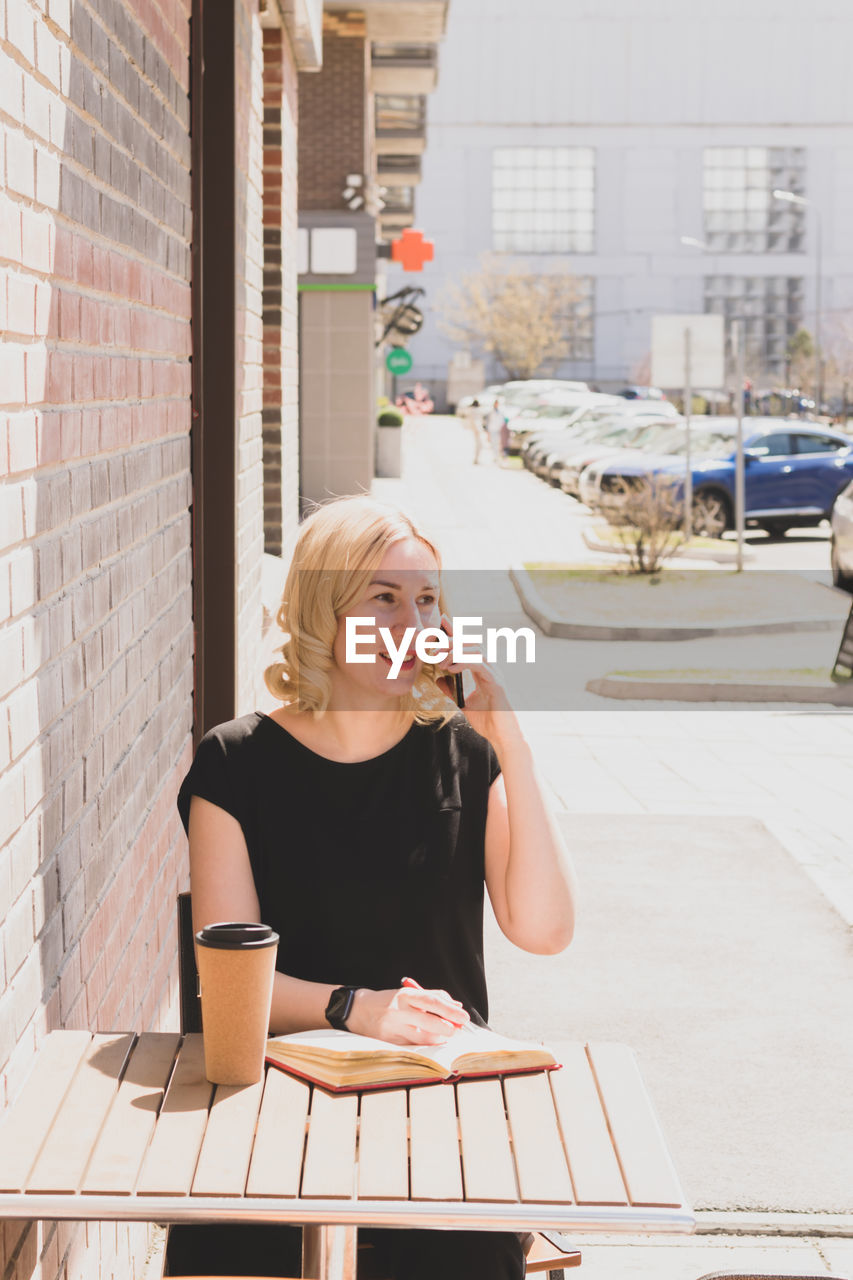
<point x="707" y="351"/>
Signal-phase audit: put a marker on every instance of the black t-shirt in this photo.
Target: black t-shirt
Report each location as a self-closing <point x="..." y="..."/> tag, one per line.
<point x="369" y="871"/>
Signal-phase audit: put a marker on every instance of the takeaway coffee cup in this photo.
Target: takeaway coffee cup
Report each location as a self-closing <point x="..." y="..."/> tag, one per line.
<point x="236" y="966"/>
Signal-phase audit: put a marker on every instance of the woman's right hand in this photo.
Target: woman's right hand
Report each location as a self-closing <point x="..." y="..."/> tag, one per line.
<point x="406" y="1015"/>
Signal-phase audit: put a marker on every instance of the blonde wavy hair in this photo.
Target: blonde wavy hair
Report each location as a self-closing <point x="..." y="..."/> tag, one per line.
<point x="339" y="547"/>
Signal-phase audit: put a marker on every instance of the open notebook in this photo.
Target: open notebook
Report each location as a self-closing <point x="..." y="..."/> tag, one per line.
<point x="344" y="1062"/>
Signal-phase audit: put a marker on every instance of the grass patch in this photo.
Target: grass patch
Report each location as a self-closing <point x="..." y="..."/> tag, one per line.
<point x="732" y="675"/>
<point x="609" y="536"/>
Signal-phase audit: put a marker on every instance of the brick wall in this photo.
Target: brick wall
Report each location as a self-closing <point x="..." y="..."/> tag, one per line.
<point x="280" y="306"/>
<point x="333" y="141"/>
<point x="95" y="564"/>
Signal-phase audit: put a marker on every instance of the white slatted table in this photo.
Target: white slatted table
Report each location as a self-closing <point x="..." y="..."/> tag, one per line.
<point x="127" y="1127"/>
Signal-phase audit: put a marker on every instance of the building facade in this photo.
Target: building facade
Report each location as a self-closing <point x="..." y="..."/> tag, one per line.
<point x="361" y="138"/>
<point x="591" y="140"/>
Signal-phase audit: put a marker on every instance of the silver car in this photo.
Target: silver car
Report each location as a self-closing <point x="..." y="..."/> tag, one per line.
<point x="841" y="552"/>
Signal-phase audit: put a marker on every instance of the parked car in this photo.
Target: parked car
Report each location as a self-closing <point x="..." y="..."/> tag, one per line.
<point x="793" y="474"/>
<point x="524" y="394"/>
<point x="546" y="440"/>
<point x="557" y="408"/>
<point x="642" y="393"/>
<point x="650" y="434"/>
<point x="841" y="545"/>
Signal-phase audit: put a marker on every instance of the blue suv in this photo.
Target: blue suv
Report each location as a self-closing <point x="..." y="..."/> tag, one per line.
<point x="793" y="473"/>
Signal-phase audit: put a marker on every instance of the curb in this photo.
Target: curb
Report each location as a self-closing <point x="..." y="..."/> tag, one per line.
<point x="638" y="689"/>
<point x="698" y="553"/>
<point x="536" y="608"/>
<point x="724" y="1222"/>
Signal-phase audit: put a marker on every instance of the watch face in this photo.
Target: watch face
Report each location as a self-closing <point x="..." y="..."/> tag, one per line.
<point x="339" y="1007"/>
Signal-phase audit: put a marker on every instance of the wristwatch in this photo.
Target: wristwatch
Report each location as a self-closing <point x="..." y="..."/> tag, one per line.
<point x="339" y="1007"/>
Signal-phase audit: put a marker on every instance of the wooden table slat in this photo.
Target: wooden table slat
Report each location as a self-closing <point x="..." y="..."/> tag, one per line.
<point x="540" y="1161"/>
<point x="68" y="1145"/>
<point x="383" y="1146"/>
<point x="280" y="1141"/>
<point x="26" y="1126"/>
<point x="646" y="1166"/>
<point x="223" y="1162"/>
<point x="125" y="1136"/>
<point x="436" y="1169"/>
<point x="595" y="1172"/>
<point x="486" y="1154"/>
<point x="329" y="1170"/>
<point x="169" y="1166"/>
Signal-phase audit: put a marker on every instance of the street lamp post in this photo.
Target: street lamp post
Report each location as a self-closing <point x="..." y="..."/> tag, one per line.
<point x="737" y="343"/>
<point x="791" y="197"/>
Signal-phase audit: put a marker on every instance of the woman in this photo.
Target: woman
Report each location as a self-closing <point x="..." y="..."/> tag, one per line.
<point x="361" y="820"/>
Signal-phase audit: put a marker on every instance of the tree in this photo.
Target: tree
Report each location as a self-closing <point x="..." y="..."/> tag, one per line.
<point x="526" y="321"/>
<point x="801" y="360"/>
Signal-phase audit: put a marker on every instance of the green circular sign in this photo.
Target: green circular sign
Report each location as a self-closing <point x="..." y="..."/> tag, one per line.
<point x="398" y="361"/>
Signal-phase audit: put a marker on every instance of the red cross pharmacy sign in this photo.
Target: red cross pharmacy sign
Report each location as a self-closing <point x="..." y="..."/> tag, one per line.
<point x="412" y="251"/>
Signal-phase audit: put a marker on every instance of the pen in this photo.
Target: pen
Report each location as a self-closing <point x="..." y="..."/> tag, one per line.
<point x="416" y="986"/>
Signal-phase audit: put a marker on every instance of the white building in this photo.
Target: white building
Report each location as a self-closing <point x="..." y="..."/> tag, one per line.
<point x="590" y="136"/>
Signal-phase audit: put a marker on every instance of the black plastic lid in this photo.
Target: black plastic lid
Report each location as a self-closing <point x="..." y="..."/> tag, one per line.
<point x="234" y="935"/>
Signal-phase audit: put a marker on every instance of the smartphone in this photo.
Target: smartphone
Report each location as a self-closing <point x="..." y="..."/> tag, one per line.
<point x="458" y="691"/>
<point x="458" y="688"/>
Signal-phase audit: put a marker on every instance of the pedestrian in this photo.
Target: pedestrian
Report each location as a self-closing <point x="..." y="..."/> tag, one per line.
<point x="472" y="416"/>
<point x="363" y="819"/>
<point x="495" y="424"/>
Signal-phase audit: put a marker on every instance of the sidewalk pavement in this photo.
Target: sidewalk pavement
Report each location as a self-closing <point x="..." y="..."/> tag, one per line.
<point x="788" y="766"/>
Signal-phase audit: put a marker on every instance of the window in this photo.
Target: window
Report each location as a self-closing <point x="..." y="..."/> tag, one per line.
<point x="399" y="200"/>
<point x="771" y="311"/>
<point x="400" y="113"/>
<point x="387" y="51"/>
<point x="741" y="213"/>
<point x="543" y="199"/>
<point x="817" y="444"/>
<point x="777" y="445"/>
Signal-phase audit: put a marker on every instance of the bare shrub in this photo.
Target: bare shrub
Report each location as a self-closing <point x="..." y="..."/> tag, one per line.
<point x="647" y="520"/>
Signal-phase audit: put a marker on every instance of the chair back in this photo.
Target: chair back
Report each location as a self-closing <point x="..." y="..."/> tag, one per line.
<point x="187" y="971"/>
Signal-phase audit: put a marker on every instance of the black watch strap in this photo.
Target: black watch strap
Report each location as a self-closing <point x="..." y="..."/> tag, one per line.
<point x="339" y="1007"/>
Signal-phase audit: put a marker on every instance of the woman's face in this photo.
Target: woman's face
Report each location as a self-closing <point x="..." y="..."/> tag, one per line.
<point x="402" y="593"/>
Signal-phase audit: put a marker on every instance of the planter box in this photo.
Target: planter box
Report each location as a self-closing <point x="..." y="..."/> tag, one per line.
<point x="388" y="452"/>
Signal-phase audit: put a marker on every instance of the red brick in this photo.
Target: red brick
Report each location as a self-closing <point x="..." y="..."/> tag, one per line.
<point x="83" y="372"/>
<point x="69" y="315"/>
<point x="84" y="267"/>
<point x="101" y="269"/>
<point x="101" y="374"/>
<point x="89" y="325"/>
<point x="48" y="444"/>
<point x="90" y="432"/>
<point x="60" y="366"/>
<point x="64" y="260"/>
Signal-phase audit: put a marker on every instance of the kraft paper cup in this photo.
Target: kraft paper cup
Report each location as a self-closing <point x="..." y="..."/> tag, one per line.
<point x="236" y="966"/>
